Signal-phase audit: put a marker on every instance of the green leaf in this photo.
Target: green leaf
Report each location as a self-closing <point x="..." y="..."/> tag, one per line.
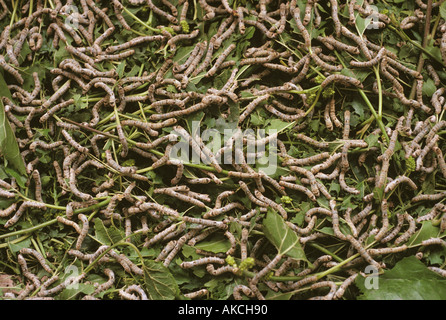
<point x="282" y="237"/>
<point x="215" y="244"/>
<point x="426" y="232"/>
<point x="159" y="282"/>
<point x="105" y="235"/>
<point x="9" y="147"/>
<point x="409" y="279"/>
<point x="443" y="10"/>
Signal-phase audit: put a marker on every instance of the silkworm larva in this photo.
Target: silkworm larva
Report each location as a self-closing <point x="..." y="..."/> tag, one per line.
<point x="57" y="95"/>
<point x="409" y="232"/>
<point x="226" y="208"/>
<point x="346" y="80"/>
<point x="330" y="295"/>
<point x="441" y="161"/>
<point x="179" y="244"/>
<point x="264" y="271"/>
<point x="435" y="211"/>
<point x="21" y="210"/>
<point x="11" y="70"/>
<point x="362" y="251"/>
<point x="310" y="176"/>
<point x="206" y="222"/>
<point x="203" y="235"/>
<point x="310" y="141"/>
<point x="211" y="269"/>
<point x="73" y="187"/>
<point x="39" y="258"/>
<point x="38" y="185"/>
<point x="197" y="294"/>
<point x="169" y="246"/>
<point x="301" y="27"/>
<point x="8" y="211"/>
<point x="222" y="57"/>
<point x="385" y="221"/>
<point x="44" y="145"/>
<point x="108" y="284"/>
<point x="73" y="142"/>
<point x="433" y="241"/>
<point x="433" y="73"/>
<point x="83" y="232"/>
<point x="425" y="151"/>
<point x="201" y="261"/>
<point x="345" y="284"/>
<point x="429" y="197"/>
<point x="31" y="276"/>
<point x="391" y="185"/>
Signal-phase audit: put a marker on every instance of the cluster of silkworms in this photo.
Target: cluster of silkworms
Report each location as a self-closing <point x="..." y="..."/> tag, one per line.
<point x="97" y="133"/>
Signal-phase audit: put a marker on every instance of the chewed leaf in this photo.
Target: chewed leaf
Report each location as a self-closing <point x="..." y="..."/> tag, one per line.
<point x="282" y="237"/>
<point x="159" y="282"/>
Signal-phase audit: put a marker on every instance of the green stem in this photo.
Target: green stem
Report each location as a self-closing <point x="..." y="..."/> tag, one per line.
<point x="322" y="249"/>
<point x="53" y="221"/>
<point x="380" y="94"/>
<point x="140" y="21"/>
<point x="377" y="117"/>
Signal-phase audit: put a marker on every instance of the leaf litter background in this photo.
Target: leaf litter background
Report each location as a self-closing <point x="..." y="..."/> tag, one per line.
<point x="358" y="102"/>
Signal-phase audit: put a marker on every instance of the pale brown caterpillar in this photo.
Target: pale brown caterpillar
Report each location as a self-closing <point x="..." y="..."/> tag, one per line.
<point x="201" y="261"/>
<point x="409" y="232"/>
<point x="206" y="222"/>
<point x="31" y="276"/>
<point x="11" y="70"/>
<point x="310" y="141"/>
<point x="21" y="210"/>
<point x="39" y="258"/>
<point x="83" y="231"/>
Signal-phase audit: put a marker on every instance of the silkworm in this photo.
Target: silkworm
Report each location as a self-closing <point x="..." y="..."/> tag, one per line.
<point x="172" y="41"/>
<point x="391" y="185"/>
<point x="345" y="284"/>
<point x="433" y="241"/>
<point x="385" y="221"/>
<point x="439" y="207"/>
<point x="57" y="95"/>
<point x="363" y="252"/>
<point x="83" y="232"/>
<point x="38" y="185"/>
<point x="222" y="57"/>
<point x="31" y="276"/>
<point x="226" y="208"/>
<point x="8" y="211"/>
<point x="271" y="203"/>
<point x="206" y="222"/>
<point x="11" y="70"/>
<point x="301" y="27"/>
<point x="179" y="244"/>
<point x="425" y="151"/>
<point x="38" y="256"/>
<point x="201" y="261"/>
<point x="346" y="80"/>
<point x="73" y="187"/>
<point x="263" y="272"/>
<point x="331" y="43"/>
<point x="429" y="197"/>
<point x="312" y="142"/>
<point x="409" y="232"/>
<point x="21" y="210"/>
<point x="330" y="295"/>
<point x="73" y="142"/>
<point x="69" y="223"/>
<point x="126" y="263"/>
<point x="310" y="176"/>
